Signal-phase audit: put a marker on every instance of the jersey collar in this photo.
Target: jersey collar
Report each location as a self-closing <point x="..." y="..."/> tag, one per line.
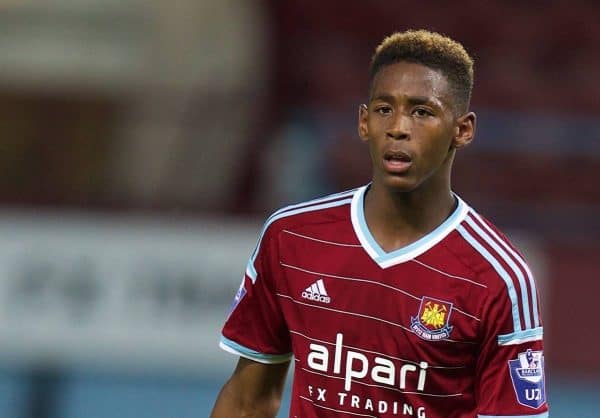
<point x="385" y="259"/>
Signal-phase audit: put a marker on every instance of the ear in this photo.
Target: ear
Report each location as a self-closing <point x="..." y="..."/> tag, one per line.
<point x="464" y="130"/>
<point x="363" y="128"/>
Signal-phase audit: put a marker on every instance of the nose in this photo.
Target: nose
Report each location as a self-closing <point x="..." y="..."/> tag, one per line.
<point x="399" y="127"/>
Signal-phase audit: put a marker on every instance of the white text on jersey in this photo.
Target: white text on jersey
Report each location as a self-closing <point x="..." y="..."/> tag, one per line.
<point x="358" y="366"/>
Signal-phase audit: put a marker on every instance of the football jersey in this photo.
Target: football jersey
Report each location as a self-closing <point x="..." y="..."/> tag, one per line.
<point x="446" y="327"/>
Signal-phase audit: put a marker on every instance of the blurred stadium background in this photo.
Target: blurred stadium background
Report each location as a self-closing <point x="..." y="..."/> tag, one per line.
<point x="143" y="143"/>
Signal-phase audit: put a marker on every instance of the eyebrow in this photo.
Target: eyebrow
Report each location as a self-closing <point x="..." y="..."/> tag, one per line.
<point x="410" y="99"/>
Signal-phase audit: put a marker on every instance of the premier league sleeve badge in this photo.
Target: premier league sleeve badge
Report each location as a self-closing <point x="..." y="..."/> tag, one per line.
<point x="239" y="295"/>
<point x="527" y="374"/>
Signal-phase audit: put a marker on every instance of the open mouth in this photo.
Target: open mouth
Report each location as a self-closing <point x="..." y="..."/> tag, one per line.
<point x="396" y="161"/>
<point x="397" y="156"/>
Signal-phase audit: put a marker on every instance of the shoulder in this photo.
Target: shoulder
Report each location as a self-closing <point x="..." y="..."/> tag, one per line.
<point x="498" y="265"/>
<point x="324" y="209"/>
<point x="488" y="251"/>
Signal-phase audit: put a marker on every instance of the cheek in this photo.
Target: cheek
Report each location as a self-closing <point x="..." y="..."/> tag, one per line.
<point x="438" y="147"/>
<point x="374" y="128"/>
<point x="373" y="151"/>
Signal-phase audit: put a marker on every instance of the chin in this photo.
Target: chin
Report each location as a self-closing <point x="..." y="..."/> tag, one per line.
<point x="400" y="184"/>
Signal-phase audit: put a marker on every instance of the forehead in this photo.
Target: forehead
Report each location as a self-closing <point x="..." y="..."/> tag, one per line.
<point x="410" y="79"/>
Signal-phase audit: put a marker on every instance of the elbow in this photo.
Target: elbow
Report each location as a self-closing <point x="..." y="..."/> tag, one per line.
<point x="261" y="408"/>
<point x="235" y="404"/>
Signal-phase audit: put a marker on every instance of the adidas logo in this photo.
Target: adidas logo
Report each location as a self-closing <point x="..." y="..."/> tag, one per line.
<point x="316" y="292"/>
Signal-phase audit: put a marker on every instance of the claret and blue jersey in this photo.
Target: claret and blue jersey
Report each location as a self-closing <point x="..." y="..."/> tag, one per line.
<point x="448" y="326"/>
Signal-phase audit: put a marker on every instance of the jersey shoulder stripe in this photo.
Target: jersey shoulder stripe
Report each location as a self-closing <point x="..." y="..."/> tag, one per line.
<point x="516" y="256"/>
<point x="512" y="293"/>
<point x="335" y="200"/>
<point x="317" y="201"/>
<point x="517" y="295"/>
<point x="512" y="270"/>
<point x="509" y="266"/>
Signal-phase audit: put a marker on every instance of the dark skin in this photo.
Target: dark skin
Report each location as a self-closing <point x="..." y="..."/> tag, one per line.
<point x="253" y="391"/>
<point x="411" y="112"/>
<point x="411" y="115"/>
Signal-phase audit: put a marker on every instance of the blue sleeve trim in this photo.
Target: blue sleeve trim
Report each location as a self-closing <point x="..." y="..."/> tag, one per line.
<point x="235" y="348"/>
<point x="251" y="271"/>
<point x="542" y="415"/>
<point x="520" y="337"/>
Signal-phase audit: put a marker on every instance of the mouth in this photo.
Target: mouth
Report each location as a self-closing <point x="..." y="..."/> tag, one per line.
<point x="396" y="162"/>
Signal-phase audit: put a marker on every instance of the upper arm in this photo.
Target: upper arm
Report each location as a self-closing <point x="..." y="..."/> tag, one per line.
<point x="254" y="390"/>
<point x="510" y="367"/>
<point x="256" y="327"/>
<point x="256" y="330"/>
<point x="509" y="374"/>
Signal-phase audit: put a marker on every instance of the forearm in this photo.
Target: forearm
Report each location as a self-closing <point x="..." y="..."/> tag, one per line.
<point x="234" y="402"/>
<point x="253" y="391"/>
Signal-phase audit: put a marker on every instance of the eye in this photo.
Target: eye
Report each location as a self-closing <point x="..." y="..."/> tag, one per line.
<point x="383" y="110"/>
<point x="422" y="112"/>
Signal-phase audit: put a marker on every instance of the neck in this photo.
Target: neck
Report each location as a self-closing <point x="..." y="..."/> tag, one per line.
<point x="397" y="219"/>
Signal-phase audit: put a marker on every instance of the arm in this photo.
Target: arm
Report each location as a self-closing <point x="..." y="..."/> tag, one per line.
<point x="510" y="368"/>
<point x="253" y="391"/>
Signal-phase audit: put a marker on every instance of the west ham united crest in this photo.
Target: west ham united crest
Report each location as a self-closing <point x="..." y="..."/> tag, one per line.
<point x="527" y="374"/>
<point x="432" y="321"/>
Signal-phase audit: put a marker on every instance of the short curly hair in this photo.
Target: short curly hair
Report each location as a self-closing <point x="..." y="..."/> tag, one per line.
<point x="432" y="50"/>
